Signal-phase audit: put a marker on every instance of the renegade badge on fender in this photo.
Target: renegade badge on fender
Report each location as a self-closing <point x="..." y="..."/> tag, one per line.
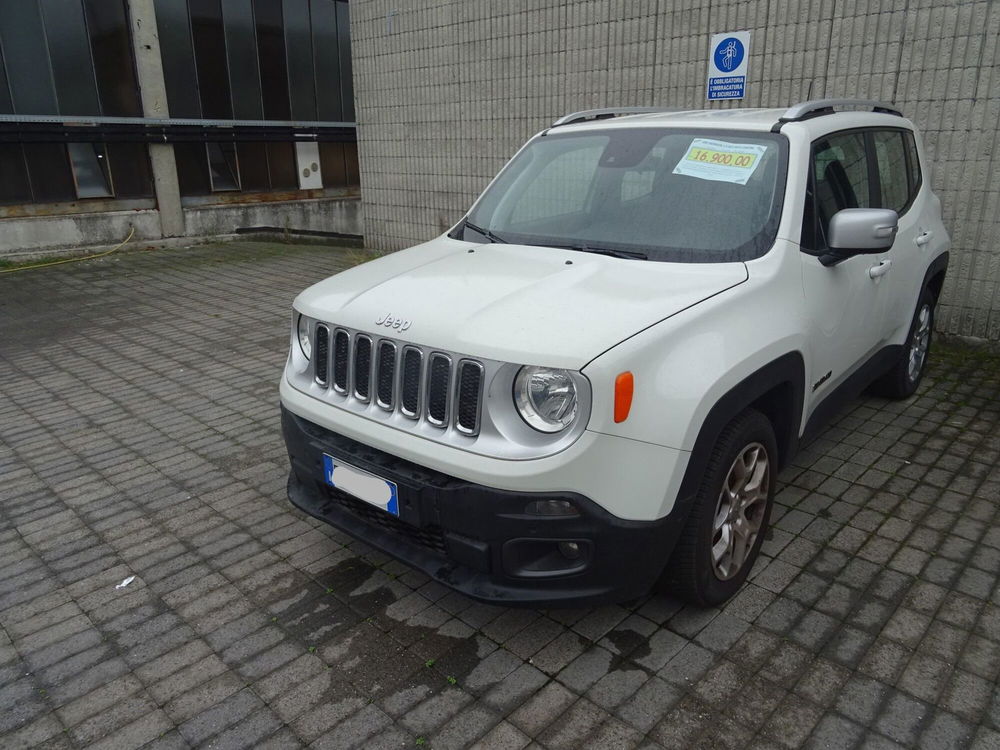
<point x="587" y="387"/>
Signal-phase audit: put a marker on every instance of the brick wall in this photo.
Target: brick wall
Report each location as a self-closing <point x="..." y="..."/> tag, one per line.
<point x="446" y="91"/>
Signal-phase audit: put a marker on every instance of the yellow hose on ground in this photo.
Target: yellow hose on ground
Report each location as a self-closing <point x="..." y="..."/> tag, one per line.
<point x="119" y="246"/>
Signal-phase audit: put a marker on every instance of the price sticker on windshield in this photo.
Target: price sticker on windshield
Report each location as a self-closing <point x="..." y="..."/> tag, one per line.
<point x="720" y="160"/>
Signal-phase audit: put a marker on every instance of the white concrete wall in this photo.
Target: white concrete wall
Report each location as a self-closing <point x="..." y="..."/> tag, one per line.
<point x="446" y="90"/>
<point x="28" y="237"/>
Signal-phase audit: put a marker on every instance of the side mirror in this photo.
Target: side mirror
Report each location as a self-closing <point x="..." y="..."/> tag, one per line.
<point x="858" y="231"/>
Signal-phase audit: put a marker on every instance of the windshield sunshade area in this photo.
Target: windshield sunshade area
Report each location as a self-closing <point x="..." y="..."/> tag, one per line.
<point x="692" y="196"/>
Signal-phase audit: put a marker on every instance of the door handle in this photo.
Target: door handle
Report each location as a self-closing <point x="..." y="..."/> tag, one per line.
<point x="923" y="238"/>
<point x="881" y="269"/>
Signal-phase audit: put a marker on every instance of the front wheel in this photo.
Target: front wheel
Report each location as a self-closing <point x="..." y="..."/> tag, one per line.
<point x="722" y="536"/>
<point x="902" y="380"/>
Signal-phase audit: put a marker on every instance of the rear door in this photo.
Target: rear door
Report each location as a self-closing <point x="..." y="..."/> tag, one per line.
<point x="901" y="189"/>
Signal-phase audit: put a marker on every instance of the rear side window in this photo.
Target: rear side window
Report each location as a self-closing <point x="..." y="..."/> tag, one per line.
<point x="913" y="164"/>
<point x="893" y="175"/>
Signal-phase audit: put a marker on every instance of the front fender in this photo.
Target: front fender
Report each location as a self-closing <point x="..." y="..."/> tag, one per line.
<point x="685" y="365"/>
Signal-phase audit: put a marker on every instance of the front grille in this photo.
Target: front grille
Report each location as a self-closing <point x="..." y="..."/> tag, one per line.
<point x="421" y="384"/>
<point x="322" y="354"/>
<point x="429" y="537"/>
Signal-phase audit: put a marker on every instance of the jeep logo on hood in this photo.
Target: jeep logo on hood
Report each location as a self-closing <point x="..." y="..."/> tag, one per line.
<point x="389" y="321"/>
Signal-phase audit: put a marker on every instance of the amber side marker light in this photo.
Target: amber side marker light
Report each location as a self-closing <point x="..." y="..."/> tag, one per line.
<point x="624" y="385"/>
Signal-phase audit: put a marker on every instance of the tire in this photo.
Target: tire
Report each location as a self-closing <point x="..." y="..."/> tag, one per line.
<point x="697" y="572"/>
<point x="903" y="378"/>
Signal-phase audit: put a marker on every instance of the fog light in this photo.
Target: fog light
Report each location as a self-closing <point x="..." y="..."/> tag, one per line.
<point x="569" y="550"/>
<point x="550" y="508"/>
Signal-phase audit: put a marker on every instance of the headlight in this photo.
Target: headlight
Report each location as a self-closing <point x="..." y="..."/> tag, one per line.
<point x="305" y="336"/>
<point x="545" y="398"/>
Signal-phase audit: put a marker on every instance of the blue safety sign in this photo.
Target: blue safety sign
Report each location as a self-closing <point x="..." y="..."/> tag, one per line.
<point x="727" y="65"/>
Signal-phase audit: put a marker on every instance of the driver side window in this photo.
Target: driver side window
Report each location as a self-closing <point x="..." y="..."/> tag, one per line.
<point x="561" y="188"/>
<point x="839" y="178"/>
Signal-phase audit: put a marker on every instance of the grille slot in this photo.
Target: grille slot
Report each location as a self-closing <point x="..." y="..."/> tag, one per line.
<point x="438" y="375"/>
<point x="362" y="367"/>
<point x="470" y="386"/>
<point x="386" y="374"/>
<point x="341" y="355"/>
<point x="322" y="362"/>
<point x="409" y="399"/>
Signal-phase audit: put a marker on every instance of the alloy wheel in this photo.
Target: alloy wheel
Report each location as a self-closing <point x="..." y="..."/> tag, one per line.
<point x="919" y="343"/>
<point x="740" y="510"/>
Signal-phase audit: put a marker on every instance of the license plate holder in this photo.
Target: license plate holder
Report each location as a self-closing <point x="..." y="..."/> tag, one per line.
<point x="361" y="484"/>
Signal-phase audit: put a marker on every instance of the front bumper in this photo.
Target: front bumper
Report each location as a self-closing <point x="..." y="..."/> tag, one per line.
<point x="477" y="539"/>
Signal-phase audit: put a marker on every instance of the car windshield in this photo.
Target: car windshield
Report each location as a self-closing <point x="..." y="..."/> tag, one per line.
<point x="691" y="196"/>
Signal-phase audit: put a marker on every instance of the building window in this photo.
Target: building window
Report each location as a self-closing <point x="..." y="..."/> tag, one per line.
<point x="223" y="167"/>
<point x="73" y="58"/>
<point x="90" y="170"/>
<point x="246" y="60"/>
<point x="258" y="60"/>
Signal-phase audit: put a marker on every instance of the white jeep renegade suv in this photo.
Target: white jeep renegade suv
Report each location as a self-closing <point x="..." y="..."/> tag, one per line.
<point x="587" y="387"/>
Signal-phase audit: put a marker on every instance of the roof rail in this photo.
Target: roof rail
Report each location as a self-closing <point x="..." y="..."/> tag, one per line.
<point x="600" y="114"/>
<point x="818" y="107"/>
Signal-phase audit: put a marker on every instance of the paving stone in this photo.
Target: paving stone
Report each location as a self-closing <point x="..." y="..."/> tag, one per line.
<point x="435" y="711"/>
<point x="558" y="653"/>
<point x="687" y="666"/>
<point x="575" y="727"/>
<point x="491" y="670"/>
<point x="924" y="677"/>
<point x="790" y="724"/>
<point x="354" y="731"/>
<point x="218" y="717"/>
<point x="186" y="678"/>
<point x="542" y="709"/>
<point x="195" y="699"/>
<point x="645" y="707"/>
<point x="946" y="731"/>
<point x="101" y="724"/>
<point x="860" y="699"/>
<point x="833" y="733"/>
<point x="471" y="723"/>
<point x="504" y="736"/>
<point x="99" y="699"/>
<point x="901" y="718"/>
<point x="514" y="689"/>
<point x="586" y="669"/>
<point x="138" y="733"/>
<point x="683" y="725"/>
<point x="614" y="688"/>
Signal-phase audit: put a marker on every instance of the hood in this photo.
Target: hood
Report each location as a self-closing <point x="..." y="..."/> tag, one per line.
<point x="513" y="303"/>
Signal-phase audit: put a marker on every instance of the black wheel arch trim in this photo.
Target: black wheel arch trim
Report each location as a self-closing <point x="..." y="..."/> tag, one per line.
<point x="778" y="385"/>
<point x="938" y="267"/>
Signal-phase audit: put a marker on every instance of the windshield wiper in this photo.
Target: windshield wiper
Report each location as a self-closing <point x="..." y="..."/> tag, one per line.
<point x="486" y="233"/>
<point x="627" y="254"/>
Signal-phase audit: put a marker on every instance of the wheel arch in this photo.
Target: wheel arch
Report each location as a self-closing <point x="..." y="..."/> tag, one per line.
<point x="777" y="389"/>
<point x="934" y="278"/>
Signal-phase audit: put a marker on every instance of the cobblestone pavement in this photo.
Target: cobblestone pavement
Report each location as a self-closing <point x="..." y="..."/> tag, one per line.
<point x="139" y="442"/>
